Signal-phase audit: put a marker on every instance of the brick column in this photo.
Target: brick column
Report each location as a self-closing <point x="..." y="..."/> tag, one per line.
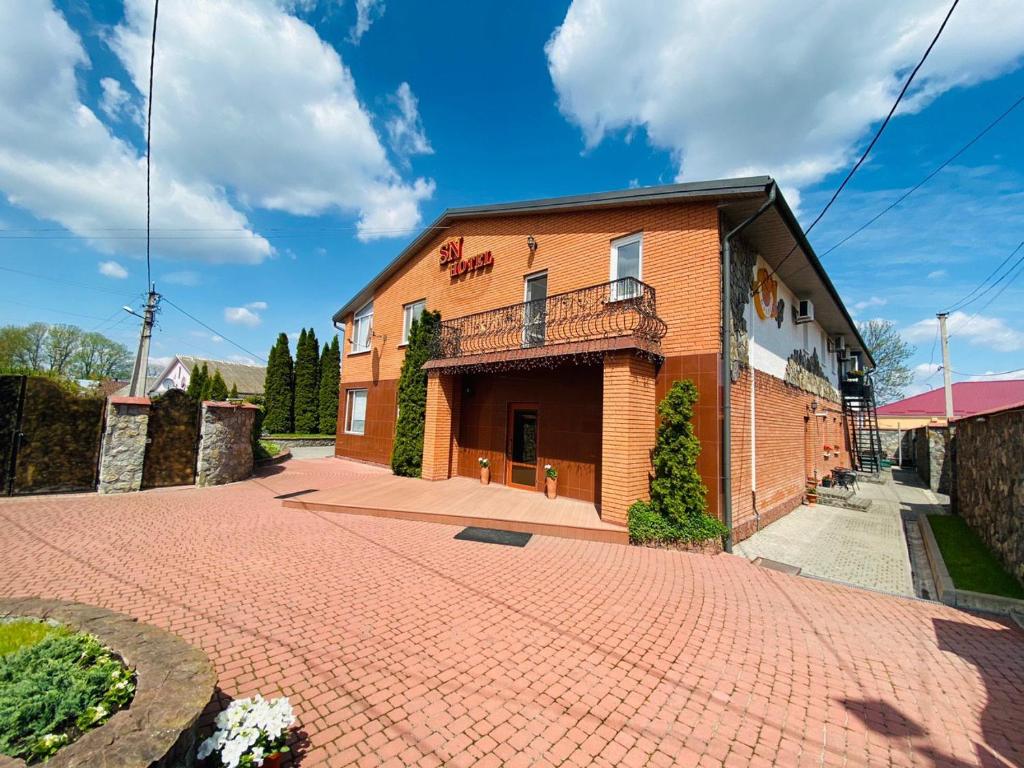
<point x="627" y="433"/>
<point x="441" y="424"/>
<point x="124" y="444"/>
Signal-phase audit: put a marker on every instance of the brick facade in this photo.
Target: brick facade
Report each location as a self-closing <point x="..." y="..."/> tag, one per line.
<point x="443" y="393"/>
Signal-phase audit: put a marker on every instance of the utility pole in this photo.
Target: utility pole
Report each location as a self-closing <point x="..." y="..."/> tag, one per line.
<point x="138" y="385"/>
<point x="947" y="374"/>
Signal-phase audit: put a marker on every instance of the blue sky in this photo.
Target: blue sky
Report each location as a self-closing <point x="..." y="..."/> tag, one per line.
<point x="297" y="150"/>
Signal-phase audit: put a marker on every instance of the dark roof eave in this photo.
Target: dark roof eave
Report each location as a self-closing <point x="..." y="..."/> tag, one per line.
<point x="714" y="189"/>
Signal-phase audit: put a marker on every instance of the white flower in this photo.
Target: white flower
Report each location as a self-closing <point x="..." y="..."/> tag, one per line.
<point x="547" y="466"/>
<point x="257" y="755"/>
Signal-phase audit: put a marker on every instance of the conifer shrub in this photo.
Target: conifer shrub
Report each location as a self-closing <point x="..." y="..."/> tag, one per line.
<point x="330" y="380"/>
<point x="217" y="389"/>
<point x="677" y="511"/>
<point x="407" y="452"/>
<point x="307" y="382"/>
<point x="197" y="382"/>
<point x="277" y="389"/>
<point x="233" y="394"/>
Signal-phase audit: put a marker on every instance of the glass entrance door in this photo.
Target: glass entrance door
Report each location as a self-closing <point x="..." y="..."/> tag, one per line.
<point x="521" y="449"/>
<point x="535" y="312"/>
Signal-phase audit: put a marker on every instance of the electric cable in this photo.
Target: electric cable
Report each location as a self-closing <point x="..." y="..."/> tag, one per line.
<point x="214" y="330"/>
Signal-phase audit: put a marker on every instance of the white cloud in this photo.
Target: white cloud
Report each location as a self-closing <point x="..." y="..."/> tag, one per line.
<point x="406" y="134"/>
<point x="936" y="274"/>
<point x="242" y="316"/>
<point x="253" y="110"/>
<point x="181" y="277"/>
<point x="786" y="87"/>
<point x="116" y="102"/>
<point x="257" y="305"/>
<point x="367" y="12"/>
<point x="977" y="330"/>
<point x="113" y="269"/>
<point x="874" y="301"/>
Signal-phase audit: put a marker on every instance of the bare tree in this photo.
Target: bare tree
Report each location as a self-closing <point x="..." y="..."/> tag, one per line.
<point x="890" y="353"/>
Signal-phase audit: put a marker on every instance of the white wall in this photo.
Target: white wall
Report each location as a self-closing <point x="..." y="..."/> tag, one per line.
<point x="176" y="378"/>
<point x="771" y="346"/>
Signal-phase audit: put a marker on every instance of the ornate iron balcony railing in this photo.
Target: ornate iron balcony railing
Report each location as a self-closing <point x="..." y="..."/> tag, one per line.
<point x="621" y="309"/>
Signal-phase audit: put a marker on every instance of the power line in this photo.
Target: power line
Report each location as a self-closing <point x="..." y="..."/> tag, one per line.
<point x="302" y="229"/>
<point x="1019" y="262"/>
<point x="149" y="139"/>
<point x="964" y="303"/>
<point x="63" y="281"/>
<point x="984" y="375"/>
<point x="214" y="330"/>
<point x="242" y="234"/>
<point x="55" y="311"/>
<point x="927" y="178"/>
<point x="870" y="146"/>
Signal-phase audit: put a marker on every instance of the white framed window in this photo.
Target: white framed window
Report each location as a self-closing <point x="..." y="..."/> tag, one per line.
<point x="355" y="411"/>
<point x="362" y="329"/>
<point x="411" y="312"/>
<point x="627" y="256"/>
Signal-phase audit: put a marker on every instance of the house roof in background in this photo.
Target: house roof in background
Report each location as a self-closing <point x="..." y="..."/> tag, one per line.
<point x="970" y="398"/>
<point x="248" y="378"/>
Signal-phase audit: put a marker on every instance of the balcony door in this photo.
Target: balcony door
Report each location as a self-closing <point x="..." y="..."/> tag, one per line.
<point x="535" y="314"/>
<point x="521" y="446"/>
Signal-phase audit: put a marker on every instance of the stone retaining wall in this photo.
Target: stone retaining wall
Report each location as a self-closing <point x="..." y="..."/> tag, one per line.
<point x="989" y="492"/>
<point x="225" y="443"/>
<point x="124" y="444"/>
<point x="173" y="684"/>
<point x="932" y="457"/>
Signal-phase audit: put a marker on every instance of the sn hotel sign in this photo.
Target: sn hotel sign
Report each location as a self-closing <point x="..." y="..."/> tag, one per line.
<point x="451" y="256"/>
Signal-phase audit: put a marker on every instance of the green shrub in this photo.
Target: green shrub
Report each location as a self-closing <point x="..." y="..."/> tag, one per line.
<point x="15" y="635"/>
<point x="330" y="376"/>
<point x="278" y="388"/>
<point x="678" y="507"/>
<point x="53" y="691"/>
<point x="307" y="382"/>
<point x="407" y="452"/>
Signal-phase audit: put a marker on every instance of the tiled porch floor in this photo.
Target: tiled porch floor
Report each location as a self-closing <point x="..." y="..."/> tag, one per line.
<point x="464" y="501"/>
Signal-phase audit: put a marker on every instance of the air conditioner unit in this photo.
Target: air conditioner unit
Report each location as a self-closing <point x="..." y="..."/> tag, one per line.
<point x="804" y="311"/>
<point x="839" y="342"/>
<point x="830" y="346"/>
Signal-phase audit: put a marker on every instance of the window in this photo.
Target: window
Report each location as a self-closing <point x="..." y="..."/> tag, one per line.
<point x="355" y="411"/>
<point x="411" y="312"/>
<point x="626" y="263"/>
<point x="362" y="329"/>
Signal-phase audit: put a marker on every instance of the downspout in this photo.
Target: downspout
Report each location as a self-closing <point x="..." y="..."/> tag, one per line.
<point x="727" y="357"/>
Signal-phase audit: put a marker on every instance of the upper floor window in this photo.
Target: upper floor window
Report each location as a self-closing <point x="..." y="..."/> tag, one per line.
<point x="411" y="312"/>
<point x="626" y="262"/>
<point x="362" y="329"/>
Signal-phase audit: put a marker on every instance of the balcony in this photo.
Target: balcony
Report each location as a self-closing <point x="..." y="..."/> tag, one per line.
<point x="589" y="321"/>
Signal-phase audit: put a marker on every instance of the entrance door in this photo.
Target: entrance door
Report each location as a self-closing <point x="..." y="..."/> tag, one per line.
<point x="521" y="447"/>
<point x="535" y="309"/>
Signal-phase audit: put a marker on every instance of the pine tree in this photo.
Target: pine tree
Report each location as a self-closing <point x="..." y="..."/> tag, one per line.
<point x="307" y="360"/>
<point x="218" y="389"/>
<point x="233" y="395"/>
<point x="277" y="388"/>
<point x="407" y="453"/>
<point x="330" y="378"/>
<point x="197" y="382"/>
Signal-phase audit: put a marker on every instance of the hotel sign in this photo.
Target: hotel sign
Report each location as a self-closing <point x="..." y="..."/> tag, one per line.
<point x="451" y="256"/>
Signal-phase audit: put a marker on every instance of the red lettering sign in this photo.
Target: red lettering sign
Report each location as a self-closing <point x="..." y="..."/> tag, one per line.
<point x="451" y="254"/>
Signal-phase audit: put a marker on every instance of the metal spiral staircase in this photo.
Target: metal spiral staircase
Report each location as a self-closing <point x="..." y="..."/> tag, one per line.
<point x="862" y="423"/>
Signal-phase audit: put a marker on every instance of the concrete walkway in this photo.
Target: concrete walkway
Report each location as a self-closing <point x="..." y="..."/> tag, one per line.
<point x="866" y="549"/>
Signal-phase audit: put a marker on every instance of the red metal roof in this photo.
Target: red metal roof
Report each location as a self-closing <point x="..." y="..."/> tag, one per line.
<point x="969" y="399"/>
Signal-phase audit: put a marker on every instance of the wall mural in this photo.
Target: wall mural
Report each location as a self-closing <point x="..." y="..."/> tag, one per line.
<point x="766" y="297"/>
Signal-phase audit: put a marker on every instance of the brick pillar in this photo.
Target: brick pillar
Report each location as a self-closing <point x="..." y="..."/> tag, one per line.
<point x="124" y="444"/>
<point x="441" y="425"/>
<point x="627" y="433"/>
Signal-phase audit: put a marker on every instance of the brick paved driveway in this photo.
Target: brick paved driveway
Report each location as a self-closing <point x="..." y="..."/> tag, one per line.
<point x="400" y="645"/>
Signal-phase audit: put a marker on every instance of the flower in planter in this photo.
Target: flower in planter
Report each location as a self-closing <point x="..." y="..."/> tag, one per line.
<point x="249" y="731"/>
<point x="550" y="471"/>
<point x="484" y="462"/>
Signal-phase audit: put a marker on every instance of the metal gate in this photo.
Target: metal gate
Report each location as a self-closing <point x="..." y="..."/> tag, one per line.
<point x="55" y="446"/>
<point x="172" y="441"/>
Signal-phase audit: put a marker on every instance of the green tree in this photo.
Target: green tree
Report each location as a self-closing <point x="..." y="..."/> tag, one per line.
<point x="62" y="342"/>
<point x="330" y="379"/>
<point x="277" y="388"/>
<point x="198" y="383"/>
<point x="218" y="389"/>
<point x="99" y="358"/>
<point x="407" y="452"/>
<point x="890" y="353"/>
<point x="233" y="394"/>
<point x="22" y="348"/>
<point x="307" y="382"/>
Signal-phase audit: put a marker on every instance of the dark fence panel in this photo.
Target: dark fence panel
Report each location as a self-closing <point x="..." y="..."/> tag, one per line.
<point x="60" y="439"/>
<point x="11" y="392"/>
<point x="172" y="441"/>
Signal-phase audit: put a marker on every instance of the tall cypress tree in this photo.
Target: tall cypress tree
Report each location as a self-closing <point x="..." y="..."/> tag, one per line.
<point x="277" y="388"/>
<point x="218" y="390"/>
<point x="407" y="453"/>
<point x="197" y="382"/>
<point x="307" y="360"/>
<point x="330" y="377"/>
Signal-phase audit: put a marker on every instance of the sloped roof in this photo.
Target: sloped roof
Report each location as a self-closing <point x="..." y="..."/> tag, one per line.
<point x="248" y="378"/>
<point x="151" y="382"/>
<point x="969" y="399"/>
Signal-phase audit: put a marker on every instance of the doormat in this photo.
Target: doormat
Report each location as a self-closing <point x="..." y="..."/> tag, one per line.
<point x="494" y="536"/>
<point x="295" y="493"/>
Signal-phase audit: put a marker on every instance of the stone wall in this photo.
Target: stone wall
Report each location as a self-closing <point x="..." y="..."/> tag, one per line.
<point x="225" y="443"/>
<point x="124" y="444"/>
<point x="932" y="457"/>
<point x="891" y="439"/>
<point x="990" y="484"/>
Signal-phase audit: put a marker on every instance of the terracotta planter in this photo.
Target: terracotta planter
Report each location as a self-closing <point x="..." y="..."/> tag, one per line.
<point x="273" y="761"/>
<point x="551" y="487"/>
<point x="485" y="475"/>
<point x="812" y="500"/>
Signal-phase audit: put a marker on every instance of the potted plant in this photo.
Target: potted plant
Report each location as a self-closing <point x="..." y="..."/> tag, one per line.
<point x="550" y="481"/>
<point x="250" y="732"/>
<point x="485" y="470"/>
<point x="812" y="491"/>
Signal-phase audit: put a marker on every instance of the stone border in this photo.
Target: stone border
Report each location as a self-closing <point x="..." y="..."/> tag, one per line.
<point x="279" y="458"/>
<point x="173" y="685"/>
<point x="301" y="442"/>
<point x="960" y="598"/>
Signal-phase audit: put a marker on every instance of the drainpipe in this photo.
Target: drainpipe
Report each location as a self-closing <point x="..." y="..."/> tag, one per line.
<point x="727" y="355"/>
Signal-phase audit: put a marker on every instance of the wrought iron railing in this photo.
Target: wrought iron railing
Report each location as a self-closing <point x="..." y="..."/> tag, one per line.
<point x="619" y="309"/>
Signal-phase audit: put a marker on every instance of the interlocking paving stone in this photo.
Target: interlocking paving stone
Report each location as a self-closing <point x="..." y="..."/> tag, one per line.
<point x="402" y="646"/>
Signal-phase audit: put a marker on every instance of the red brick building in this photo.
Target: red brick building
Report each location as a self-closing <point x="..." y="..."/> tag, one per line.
<point x="564" y="322"/>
